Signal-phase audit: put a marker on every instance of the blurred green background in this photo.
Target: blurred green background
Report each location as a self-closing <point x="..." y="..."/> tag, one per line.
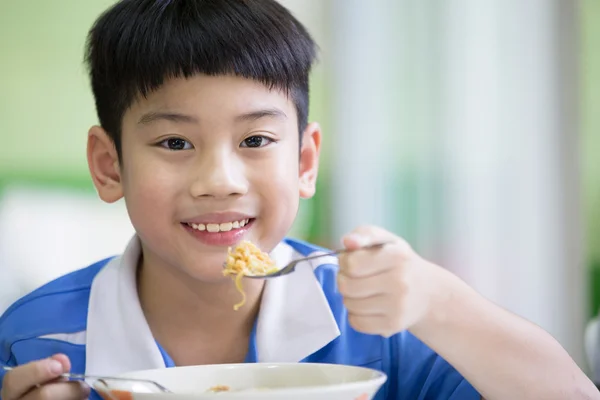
<point x="590" y="123"/>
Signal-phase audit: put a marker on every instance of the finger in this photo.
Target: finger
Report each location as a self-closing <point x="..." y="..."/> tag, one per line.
<point x="376" y="305"/>
<point x="59" y="391"/>
<point x="361" y="288"/>
<point x="371" y="324"/>
<point x="24" y="378"/>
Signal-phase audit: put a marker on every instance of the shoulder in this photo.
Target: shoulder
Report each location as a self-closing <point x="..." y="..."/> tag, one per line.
<point x="59" y="308"/>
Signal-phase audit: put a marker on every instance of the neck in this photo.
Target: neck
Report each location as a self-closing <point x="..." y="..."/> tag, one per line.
<point x="193" y="320"/>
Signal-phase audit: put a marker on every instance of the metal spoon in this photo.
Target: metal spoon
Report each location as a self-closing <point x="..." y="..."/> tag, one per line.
<point x="291" y="267"/>
<point x="103" y="379"/>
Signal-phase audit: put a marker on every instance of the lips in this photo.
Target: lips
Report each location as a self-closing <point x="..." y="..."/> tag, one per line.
<point x="219" y="229"/>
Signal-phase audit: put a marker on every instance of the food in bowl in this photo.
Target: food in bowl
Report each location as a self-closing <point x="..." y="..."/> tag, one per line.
<point x="115" y="394"/>
<point x="219" y="388"/>
<point x="246" y="259"/>
<point x="222" y="388"/>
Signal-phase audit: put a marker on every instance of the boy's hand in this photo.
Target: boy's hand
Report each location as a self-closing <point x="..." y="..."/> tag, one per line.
<point x="385" y="290"/>
<point x="41" y="380"/>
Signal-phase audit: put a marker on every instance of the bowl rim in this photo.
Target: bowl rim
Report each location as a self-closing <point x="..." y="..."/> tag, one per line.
<point x="378" y="379"/>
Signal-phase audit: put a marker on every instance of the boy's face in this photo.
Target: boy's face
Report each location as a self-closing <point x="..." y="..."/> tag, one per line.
<point x="207" y="161"/>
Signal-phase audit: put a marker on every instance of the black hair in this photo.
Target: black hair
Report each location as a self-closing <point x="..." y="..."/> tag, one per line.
<point x="135" y="45"/>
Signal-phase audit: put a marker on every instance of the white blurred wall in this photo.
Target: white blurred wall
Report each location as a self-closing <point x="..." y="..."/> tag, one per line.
<point x="45" y="233"/>
<point x="491" y="132"/>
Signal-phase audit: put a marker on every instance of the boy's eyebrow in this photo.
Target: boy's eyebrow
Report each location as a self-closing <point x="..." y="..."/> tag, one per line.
<point x="167" y="116"/>
<point x="263" y="113"/>
<point x="153" y="116"/>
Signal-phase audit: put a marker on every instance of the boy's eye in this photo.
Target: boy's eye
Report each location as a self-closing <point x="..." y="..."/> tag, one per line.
<point x="256" y="141"/>
<point x="176" y="144"/>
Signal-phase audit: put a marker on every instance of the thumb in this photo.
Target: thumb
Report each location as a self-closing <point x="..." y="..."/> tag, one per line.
<point x="63" y="360"/>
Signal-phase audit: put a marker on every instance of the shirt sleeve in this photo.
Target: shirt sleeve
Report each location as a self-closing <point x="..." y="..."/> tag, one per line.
<point x="417" y="372"/>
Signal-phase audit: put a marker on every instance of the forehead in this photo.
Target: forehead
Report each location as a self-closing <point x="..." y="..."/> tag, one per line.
<point x="210" y="97"/>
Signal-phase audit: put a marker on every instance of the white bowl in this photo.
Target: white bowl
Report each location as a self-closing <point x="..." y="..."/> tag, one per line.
<point x="293" y="381"/>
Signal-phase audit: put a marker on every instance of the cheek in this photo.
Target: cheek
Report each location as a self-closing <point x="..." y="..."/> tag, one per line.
<point x="278" y="189"/>
<point x="150" y="191"/>
<point x="280" y="179"/>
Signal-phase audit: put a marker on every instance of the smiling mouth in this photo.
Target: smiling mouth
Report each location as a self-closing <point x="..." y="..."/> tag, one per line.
<point x="222" y="227"/>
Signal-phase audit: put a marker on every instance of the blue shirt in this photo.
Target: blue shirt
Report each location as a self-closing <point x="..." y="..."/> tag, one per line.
<point x="93" y="316"/>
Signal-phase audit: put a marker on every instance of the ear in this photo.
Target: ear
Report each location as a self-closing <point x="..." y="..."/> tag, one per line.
<point x="309" y="160"/>
<point x="103" y="163"/>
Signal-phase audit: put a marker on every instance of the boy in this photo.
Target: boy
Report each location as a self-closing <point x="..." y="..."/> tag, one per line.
<point x="203" y="131"/>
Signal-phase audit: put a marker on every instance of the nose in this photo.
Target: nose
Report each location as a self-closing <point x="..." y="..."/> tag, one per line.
<point x="219" y="176"/>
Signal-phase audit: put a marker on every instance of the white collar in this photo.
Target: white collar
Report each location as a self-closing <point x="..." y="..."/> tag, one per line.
<point x="294" y="321"/>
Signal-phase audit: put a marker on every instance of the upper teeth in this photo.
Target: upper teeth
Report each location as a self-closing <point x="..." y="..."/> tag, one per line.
<point x="224" y="227"/>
